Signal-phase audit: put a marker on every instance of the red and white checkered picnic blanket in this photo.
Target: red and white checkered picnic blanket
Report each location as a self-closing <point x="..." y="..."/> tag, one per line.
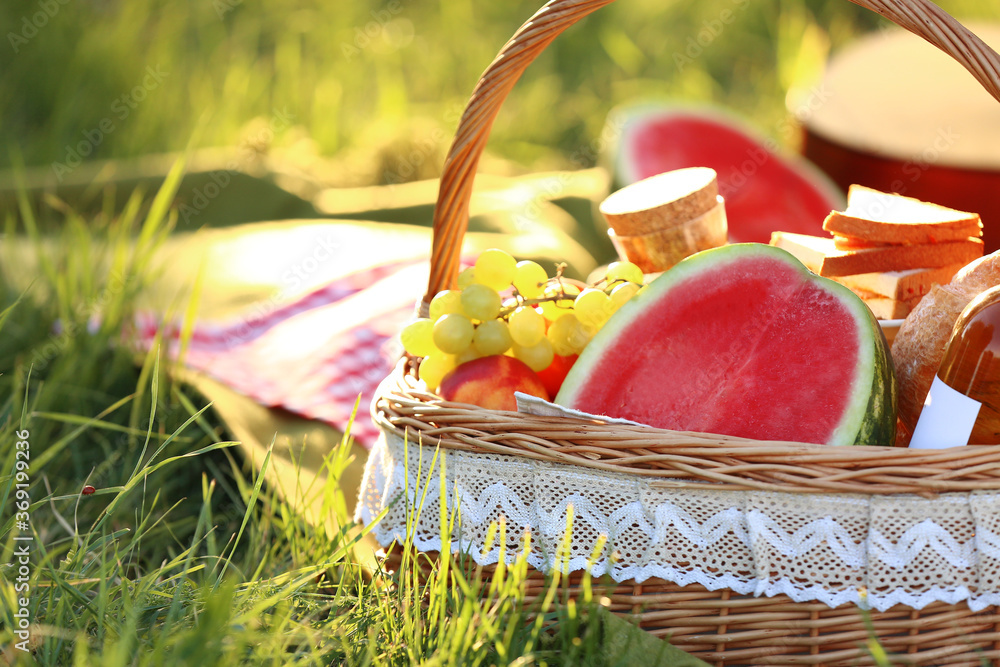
<point x="317" y="355"/>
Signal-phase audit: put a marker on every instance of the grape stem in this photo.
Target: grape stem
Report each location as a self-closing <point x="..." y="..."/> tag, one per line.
<point x="561" y="295"/>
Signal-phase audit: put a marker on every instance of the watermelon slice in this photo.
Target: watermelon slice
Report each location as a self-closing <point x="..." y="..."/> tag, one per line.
<point x="742" y="340"/>
<point x="764" y="190"/>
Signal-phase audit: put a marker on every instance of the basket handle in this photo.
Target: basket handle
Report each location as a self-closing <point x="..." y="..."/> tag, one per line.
<point x="451" y="215"/>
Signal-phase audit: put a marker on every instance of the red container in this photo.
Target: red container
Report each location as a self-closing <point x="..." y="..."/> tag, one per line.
<point x="896" y="114"/>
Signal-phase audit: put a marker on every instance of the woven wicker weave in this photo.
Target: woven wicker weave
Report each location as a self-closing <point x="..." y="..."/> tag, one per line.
<point x="720" y="626"/>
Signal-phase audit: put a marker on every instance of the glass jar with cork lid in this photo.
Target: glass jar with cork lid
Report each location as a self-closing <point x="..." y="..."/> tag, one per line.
<point x="658" y="221"/>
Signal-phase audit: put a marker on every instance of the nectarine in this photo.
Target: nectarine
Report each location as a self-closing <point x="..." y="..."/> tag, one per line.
<point x="552" y="376"/>
<point x="490" y="382"/>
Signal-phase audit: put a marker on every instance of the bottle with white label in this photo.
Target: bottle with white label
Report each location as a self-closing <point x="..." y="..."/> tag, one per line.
<point x="963" y="404"/>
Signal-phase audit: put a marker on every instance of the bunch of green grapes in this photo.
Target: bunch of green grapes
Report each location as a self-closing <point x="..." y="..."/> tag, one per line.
<point x="503" y="306"/>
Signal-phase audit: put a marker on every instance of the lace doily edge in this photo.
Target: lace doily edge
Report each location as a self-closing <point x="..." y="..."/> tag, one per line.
<point x="756" y="587"/>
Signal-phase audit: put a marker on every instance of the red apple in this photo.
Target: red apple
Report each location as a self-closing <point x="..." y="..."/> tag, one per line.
<point x="552" y="376"/>
<point x="490" y="382"/>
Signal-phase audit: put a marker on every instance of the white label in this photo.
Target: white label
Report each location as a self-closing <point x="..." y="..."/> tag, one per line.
<point x="946" y="420"/>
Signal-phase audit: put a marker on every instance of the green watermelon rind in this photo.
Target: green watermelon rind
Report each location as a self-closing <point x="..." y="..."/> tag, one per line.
<point x="882" y="399"/>
<point x="869" y="419"/>
<point x="628" y="118"/>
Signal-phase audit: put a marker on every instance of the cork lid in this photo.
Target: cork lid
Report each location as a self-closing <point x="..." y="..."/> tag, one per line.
<point x="661" y="201"/>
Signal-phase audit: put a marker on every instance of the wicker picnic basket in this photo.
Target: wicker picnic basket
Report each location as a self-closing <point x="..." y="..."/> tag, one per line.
<point x="741" y="551"/>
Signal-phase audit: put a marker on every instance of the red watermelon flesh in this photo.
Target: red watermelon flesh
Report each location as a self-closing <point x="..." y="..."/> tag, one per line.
<point x="744" y="341"/>
<point x="764" y="191"/>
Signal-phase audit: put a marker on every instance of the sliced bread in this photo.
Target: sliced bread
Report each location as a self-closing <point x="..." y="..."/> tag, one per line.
<point x="821" y="255"/>
<point x="851" y="243"/>
<point x="886" y="308"/>
<point x="900" y="284"/>
<point x="883" y="217"/>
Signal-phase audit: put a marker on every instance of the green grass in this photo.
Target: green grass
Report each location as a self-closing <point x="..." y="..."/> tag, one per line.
<point x="305" y="74"/>
<point x="182" y="555"/>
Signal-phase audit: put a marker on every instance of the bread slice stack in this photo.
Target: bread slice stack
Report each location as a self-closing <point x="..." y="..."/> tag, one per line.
<point x="889" y="249"/>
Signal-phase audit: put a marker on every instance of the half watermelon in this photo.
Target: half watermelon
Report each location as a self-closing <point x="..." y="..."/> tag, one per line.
<point x="742" y="340"/>
<point x="765" y="191"/>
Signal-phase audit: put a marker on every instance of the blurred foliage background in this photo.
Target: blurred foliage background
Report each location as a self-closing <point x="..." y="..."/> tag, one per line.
<point x="373" y="82"/>
<point x="352" y="93"/>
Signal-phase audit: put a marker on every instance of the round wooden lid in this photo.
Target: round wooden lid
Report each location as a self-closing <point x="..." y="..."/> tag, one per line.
<point x="893" y="95"/>
<point x="661" y="201"/>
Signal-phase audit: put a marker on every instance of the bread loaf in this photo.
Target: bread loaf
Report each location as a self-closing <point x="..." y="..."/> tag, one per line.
<point x="980" y="274"/>
<point x="921" y="340"/>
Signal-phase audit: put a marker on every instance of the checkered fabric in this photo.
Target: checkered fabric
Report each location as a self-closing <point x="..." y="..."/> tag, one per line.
<point x="318" y="356"/>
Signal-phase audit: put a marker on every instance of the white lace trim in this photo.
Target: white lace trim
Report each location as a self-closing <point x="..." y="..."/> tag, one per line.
<point x="873" y="551"/>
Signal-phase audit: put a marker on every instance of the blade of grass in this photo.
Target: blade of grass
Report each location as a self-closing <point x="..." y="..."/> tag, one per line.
<point x="154" y="394"/>
<point x="5" y="313"/>
<point x="57" y="447"/>
<point x="251" y="503"/>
